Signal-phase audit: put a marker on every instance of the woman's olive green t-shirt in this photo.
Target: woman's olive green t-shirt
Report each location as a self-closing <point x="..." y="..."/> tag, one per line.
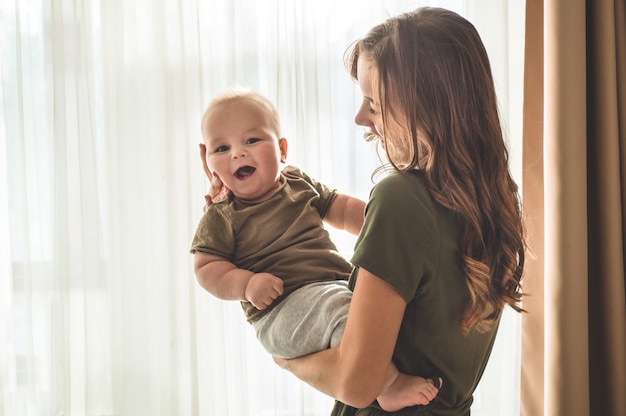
<point x="411" y="241"/>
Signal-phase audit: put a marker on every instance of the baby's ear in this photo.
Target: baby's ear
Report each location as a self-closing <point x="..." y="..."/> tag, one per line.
<point x="282" y="143"/>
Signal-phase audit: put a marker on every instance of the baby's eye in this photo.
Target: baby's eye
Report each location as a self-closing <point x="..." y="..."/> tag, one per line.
<point x="222" y="148"/>
<point x="253" y="140"/>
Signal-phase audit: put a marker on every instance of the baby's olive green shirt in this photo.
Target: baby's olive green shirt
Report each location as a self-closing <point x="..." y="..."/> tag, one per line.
<point x="284" y="235"/>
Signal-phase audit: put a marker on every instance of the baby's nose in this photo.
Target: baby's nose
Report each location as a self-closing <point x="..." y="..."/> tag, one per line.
<point x="239" y="152"/>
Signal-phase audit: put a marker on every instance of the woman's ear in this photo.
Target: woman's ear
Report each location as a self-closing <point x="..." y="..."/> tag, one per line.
<point x="282" y="144"/>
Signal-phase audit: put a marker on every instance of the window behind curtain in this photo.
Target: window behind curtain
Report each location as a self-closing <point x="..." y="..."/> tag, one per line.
<point x="101" y="189"/>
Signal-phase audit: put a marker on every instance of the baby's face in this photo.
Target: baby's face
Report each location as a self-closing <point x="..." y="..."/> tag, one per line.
<point x="243" y="149"/>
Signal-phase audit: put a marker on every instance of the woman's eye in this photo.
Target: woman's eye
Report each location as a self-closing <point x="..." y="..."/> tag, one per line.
<point x="221" y="149"/>
<point x="253" y="140"/>
<point x="373" y="112"/>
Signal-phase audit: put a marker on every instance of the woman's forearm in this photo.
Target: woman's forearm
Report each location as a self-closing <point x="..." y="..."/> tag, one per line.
<point x="323" y="371"/>
<point x="313" y="369"/>
<point x="355" y="372"/>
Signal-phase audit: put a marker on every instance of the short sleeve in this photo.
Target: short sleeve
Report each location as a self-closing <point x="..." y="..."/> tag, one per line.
<point x="326" y="195"/>
<point x="214" y="234"/>
<point x="399" y="241"/>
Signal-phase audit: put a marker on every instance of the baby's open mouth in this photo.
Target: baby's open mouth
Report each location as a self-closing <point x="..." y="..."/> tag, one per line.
<point x="244" y="171"/>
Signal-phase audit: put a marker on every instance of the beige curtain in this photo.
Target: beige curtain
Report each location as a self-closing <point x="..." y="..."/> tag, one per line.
<point x="574" y="191"/>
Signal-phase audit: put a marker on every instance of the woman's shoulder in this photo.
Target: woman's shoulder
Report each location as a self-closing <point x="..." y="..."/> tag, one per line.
<point x="411" y="183"/>
<point x="401" y="176"/>
<point x="403" y="194"/>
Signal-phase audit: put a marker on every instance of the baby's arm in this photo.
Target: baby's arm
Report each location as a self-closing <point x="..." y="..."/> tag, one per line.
<point x="346" y="213"/>
<point x="224" y="280"/>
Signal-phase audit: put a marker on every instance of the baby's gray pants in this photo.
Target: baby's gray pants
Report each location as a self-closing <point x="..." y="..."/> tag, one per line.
<point x="310" y="319"/>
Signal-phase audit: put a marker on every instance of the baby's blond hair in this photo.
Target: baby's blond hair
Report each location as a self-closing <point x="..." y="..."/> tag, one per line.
<point x="239" y="94"/>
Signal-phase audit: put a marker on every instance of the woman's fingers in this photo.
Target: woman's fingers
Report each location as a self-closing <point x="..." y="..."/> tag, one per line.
<point x="205" y="167"/>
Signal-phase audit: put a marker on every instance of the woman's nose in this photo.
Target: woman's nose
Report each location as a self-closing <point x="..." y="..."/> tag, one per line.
<point x="362" y="116"/>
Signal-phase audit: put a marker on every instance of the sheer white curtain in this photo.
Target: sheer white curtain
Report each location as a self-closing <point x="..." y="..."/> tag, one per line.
<point x="101" y="189"/>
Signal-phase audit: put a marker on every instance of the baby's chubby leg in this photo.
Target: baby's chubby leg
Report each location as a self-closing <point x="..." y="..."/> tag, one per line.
<point x="310" y="319"/>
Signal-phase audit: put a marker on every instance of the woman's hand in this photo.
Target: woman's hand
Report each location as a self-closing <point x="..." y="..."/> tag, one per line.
<point x="217" y="192"/>
<point x="355" y="371"/>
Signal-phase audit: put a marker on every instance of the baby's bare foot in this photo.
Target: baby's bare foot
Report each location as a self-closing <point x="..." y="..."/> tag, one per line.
<point x="408" y="391"/>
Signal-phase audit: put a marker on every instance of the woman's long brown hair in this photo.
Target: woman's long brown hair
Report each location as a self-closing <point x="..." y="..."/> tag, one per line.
<point x="433" y="67"/>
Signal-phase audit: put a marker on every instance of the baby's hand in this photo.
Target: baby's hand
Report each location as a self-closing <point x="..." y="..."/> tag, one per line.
<point x="262" y="289"/>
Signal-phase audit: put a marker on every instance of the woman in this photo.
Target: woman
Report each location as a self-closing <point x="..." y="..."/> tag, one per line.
<point x="441" y="252"/>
